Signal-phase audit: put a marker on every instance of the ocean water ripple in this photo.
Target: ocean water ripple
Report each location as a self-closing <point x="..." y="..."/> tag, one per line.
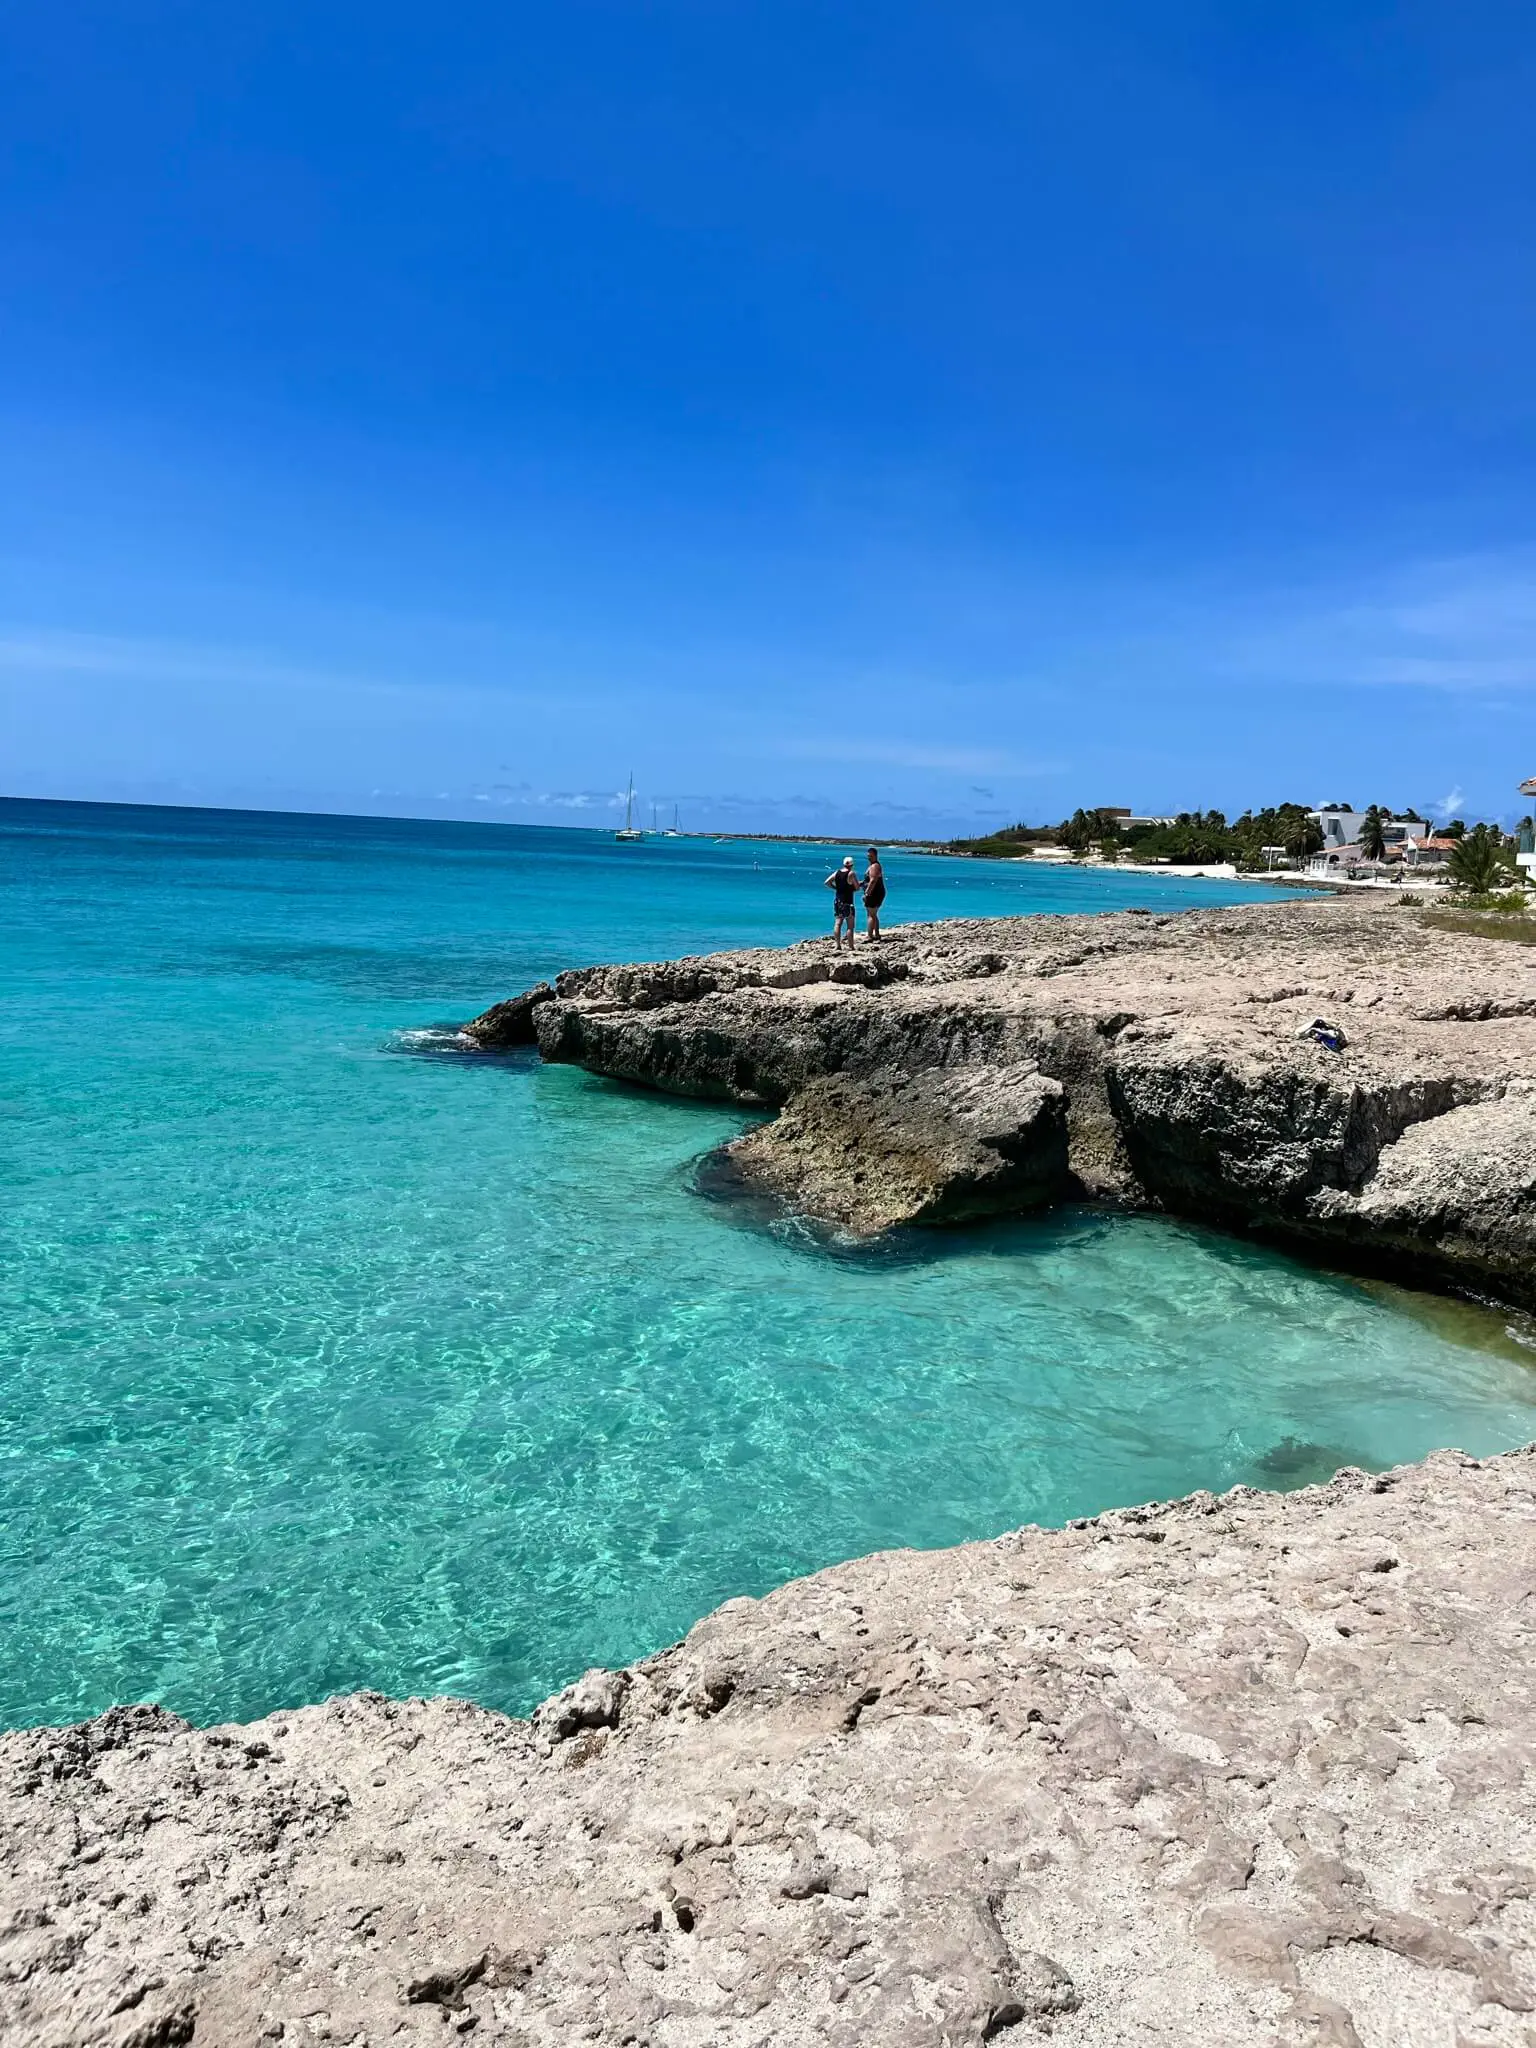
<point x="332" y="1357"/>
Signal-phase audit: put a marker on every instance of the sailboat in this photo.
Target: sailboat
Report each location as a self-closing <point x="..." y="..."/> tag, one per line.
<point x="674" y="830"/>
<point x="630" y="829"/>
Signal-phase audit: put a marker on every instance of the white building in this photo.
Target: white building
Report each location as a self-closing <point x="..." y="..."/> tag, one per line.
<point x="1343" y="828"/>
<point x="1337" y="860"/>
<point x="1419" y="848"/>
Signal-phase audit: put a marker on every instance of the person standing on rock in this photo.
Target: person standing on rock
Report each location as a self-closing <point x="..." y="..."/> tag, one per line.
<point x="843" y="883"/>
<point x="874" y="895"/>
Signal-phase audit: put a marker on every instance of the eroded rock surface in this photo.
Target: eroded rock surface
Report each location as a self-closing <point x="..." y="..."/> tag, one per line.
<point x="1177" y="1045"/>
<point x="510" y="1023"/>
<point x="1242" y="1770"/>
<point x="940" y="1146"/>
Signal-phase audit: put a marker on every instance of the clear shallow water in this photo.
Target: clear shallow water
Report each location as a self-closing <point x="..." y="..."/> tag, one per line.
<point x="324" y="1364"/>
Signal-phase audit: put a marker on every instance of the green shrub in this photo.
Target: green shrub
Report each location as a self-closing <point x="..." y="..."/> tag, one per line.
<point x="1514" y="902"/>
<point x="1479" y="862"/>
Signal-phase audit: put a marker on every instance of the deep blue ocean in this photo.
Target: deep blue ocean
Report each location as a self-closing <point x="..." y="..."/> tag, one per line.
<point x="330" y="1360"/>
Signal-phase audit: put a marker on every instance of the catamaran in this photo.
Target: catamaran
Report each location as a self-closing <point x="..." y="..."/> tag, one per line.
<point x="630" y="829"/>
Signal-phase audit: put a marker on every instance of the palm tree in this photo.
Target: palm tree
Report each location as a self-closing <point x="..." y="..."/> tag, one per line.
<point x="1077" y="832"/>
<point x="1373" y="841"/>
<point x="1302" y="837"/>
<point x="1477" y="862"/>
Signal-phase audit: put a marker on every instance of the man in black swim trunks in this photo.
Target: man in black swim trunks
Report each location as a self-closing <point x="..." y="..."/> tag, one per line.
<point x="874" y="895"/>
<point x="843" y="883"/>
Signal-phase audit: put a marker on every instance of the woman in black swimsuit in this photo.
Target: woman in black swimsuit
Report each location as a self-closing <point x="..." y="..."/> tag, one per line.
<point x="843" y="883"/>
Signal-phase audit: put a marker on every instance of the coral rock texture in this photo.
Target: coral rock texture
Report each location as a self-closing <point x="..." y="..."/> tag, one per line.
<point x="930" y="1148"/>
<point x="1248" y="1769"/>
<point x="935" y="1077"/>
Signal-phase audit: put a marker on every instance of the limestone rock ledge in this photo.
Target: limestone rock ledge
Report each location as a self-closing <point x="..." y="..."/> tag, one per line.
<point x="1248" y="1769"/>
<point x="1169" y="1059"/>
<point x="929" y="1148"/>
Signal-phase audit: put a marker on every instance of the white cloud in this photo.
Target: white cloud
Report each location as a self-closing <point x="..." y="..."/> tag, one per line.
<point x="920" y="754"/>
<point x="183" y="664"/>
<point x="1463" y="624"/>
<point x="148" y="660"/>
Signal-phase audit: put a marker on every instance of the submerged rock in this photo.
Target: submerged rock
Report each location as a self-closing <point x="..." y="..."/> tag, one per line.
<point x="1248" y="1769"/>
<point x="1291" y="1457"/>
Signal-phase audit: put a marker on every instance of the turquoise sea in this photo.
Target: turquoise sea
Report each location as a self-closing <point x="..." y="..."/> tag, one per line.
<point x="329" y="1359"/>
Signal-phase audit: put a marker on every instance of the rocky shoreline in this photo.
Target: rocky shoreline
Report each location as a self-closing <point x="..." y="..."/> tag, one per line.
<point x="1248" y="1769"/>
<point x="1148" y="1060"/>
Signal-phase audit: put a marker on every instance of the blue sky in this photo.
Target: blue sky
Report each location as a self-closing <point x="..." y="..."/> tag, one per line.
<point x="897" y="418"/>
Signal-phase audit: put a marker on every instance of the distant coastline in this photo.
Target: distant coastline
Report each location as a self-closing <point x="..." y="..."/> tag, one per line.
<point x="1207" y="871"/>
